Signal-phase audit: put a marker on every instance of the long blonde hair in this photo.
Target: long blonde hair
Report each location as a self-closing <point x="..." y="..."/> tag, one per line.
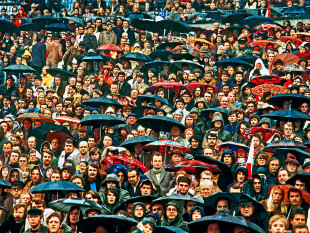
<point x="270" y="204"/>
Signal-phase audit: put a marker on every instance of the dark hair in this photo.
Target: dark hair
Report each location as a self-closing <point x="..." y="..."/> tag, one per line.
<point x="297" y="210"/>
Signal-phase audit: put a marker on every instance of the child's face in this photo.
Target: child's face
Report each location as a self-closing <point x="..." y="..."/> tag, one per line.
<point x="82" y="167"/>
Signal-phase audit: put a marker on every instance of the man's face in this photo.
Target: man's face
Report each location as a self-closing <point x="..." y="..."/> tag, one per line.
<point x="16" y="191"/>
<point x="257" y="184"/>
<point x="298" y="219"/>
<point x="107" y="141"/>
<point x="55" y="176"/>
<point x="246" y="210"/>
<point x="171" y="212"/>
<point x="31" y="143"/>
<point x="157" y="162"/>
<point x="69" y="148"/>
<point x="240" y="176"/>
<point x="206" y="190"/>
<point x="27" y="125"/>
<point x="47" y="159"/>
<point x="14" y="157"/>
<point x="222" y="204"/>
<point x="183" y="188"/>
<point x="35" y="175"/>
<point x="211" y="140"/>
<point x="138" y="211"/>
<point x="7" y="149"/>
<point x="282" y="176"/>
<point x="54" y="225"/>
<point x="92" y="172"/>
<point x="300" y="185"/>
<point x="274" y="166"/>
<point x="158" y="209"/>
<point x="19" y="214"/>
<point x="133" y="178"/>
<point x="146" y="189"/>
<point x="176" y="158"/>
<point x="78" y="182"/>
<point x="34" y="220"/>
<point x="294" y="198"/>
<point x="74" y="216"/>
<point x="83" y="148"/>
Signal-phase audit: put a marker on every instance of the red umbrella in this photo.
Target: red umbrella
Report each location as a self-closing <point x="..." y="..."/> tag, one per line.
<point x="306" y="55"/>
<point x="126" y="161"/>
<point x="286" y="188"/>
<point x="297" y="42"/>
<point x="263" y="43"/>
<point x="268" y="79"/>
<point x="263" y="88"/>
<point x="110" y="47"/>
<point x="169" y="86"/>
<point x="268" y="133"/>
<point x="190" y="87"/>
<point x="192" y="167"/>
<point x="70" y="119"/>
<point x="164" y="146"/>
<point x="286" y="58"/>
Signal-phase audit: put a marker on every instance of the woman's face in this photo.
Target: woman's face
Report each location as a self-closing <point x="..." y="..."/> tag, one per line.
<point x="90" y="197"/>
<point x="5" y="172"/>
<point x="74" y="216"/>
<point x="196" y="215"/>
<point x="277" y="196"/>
<point x="25" y="199"/>
<point x="95" y="156"/>
<point x="277" y="226"/>
<point x="25" y="174"/>
<point x="161" y="94"/>
<point x="188" y="134"/>
<point x="121" y="177"/>
<point x="111" y="198"/>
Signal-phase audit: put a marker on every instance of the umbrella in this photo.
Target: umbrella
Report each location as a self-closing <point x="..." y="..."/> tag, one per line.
<point x="136" y="57"/>
<point x="130" y="143"/>
<point x="232" y="198"/>
<point x="160" y="123"/>
<point x="4" y="183"/>
<point x="64" y="73"/>
<point x="297" y="42"/>
<point x="45" y="20"/>
<point x="151" y="98"/>
<point x="190" y="87"/>
<point x="286" y="58"/>
<point x="111" y="223"/>
<point x="20" y="68"/>
<point x="192" y="167"/>
<point x="168" y="229"/>
<point x="292" y="68"/>
<point x="59" y="27"/>
<point x="116" y="167"/>
<point x="178" y="65"/>
<point x="267" y="79"/>
<point x="126" y="161"/>
<point x="170" y="45"/>
<point x="263" y="88"/>
<point x="234" y="145"/>
<point x="97" y="102"/>
<point x="62" y="137"/>
<point x="144" y="24"/>
<point x="158" y="65"/>
<point x="74" y="19"/>
<point x="281" y="154"/>
<point x="94" y="57"/>
<point x="139" y="15"/>
<point x="31" y="26"/>
<point x="203" y="41"/>
<point x="267" y="26"/>
<point x="254" y="21"/>
<point x="289" y="115"/>
<point x="66" y="118"/>
<point x="225" y="220"/>
<point x="236" y="18"/>
<point x="295" y="100"/>
<point x="64" y="205"/>
<point x="286" y="144"/>
<point x="191" y="49"/>
<point x="171" y="25"/>
<point x="56" y="186"/>
<point x="221" y="165"/>
<point x="303" y="177"/>
<point x="183" y="56"/>
<point x="248" y="58"/>
<point x="233" y="62"/>
<point x="268" y="133"/>
<point x="144" y="199"/>
<point x="164" y="145"/>
<point x="296" y="10"/>
<point x="206" y="112"/>
<point x="161" y="54"/>
<point x="8" y="26"/>
<point x="101" y="119"/>
<point x="176" y="86"/>
<point x="110" y="47"/>
<point x="177" y="197"/>
<point x="263" y="43"/>
<point x="140" y="110"/>
<point x="34" y="116"/>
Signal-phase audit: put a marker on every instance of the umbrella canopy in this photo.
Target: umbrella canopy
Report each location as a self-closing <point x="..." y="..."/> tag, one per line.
<point x="45" y="20"/>
<point x="234" y="146"/>
<point x="191" y="49"/>
<point x="163" y="55"/>
<point x="94" y="57"/>
<point x="203" y="41"/>
<point x="62" y="137"/>
<point x="116" y="167"/>
<point x="59" y="27"/>
<point x="8" y="26"/>
<point x="191" y="65"/>
<point x="130" y="143"/>
<point x="286" y="188"/>
<point x="287" y="115"/>
<point x="263" y="43"/>
<point x="177" y="197"/>
<point x="151" y="98"/>
<point x="190" y="87"/>
<point x="254" y="21"/>
<point x="236" y="18"/>
<point x="292" y="68"/>
<point x="296" y="10"/>
<point x="233" y="62"/>
<point x="267" y="79"/>
<point x="20" y="68"/>
<point x="169" y="45"/>
<point x="248" y="59"/>
<point x="160" y="123"/>
<point x="66" y="118"/>
<point x="64" y="205"/>
<point x="111" y="223"/>
<point x="144" y="199"/>
<point x="192" y="167"/>
<point x="206" y="112"/>
<point x="74" y="19"/>
<point x="303" y="177"/>
<point x="171" y="25"/>
<point x="297" y="42"/>
<point x="165" y="145"/>
<point x="136" y="57"/>
<point x="281" y="154"/>
<point x="268" y="133"/>
<point x="56" y="186"/>
<point x="64" y="73"/>
<point x="140" y="110"/>
<point x="34" y="116"/>
<point x="97" y="102"/>
<point x="158" y="65"/>
<point x="110" y="47"/>
<point x="263" y="88"/>
<point x="232" y="198"/>
<point x="222" y="166"/>
<point x="168" y="229"/>
<point x="31" y="26"/>
<point x="101" y="119"/>
<point x="139" y="15"/>
<point x="286" y="58"/>
<point x="176" y="86"/>
<point x="126" y="161"/>
<point x="144" y="24"/>
<point x="295" y="100"/>
<point x="238" y="28"/>
<point x="286" y="144"/>
<point x="5" y="184"/>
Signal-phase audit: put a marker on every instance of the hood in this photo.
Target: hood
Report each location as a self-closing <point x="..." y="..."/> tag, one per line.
<point x="110" y="177"/>
<point x="112" y="148"/>
<point x="242" y="122"/>
<point x="196" y="208"/>
<point x="255" y="116"/>
<point x="178" y="219"/>
<point x="248" y="186"/>
<point x="265" y="120"/>
<point x="244" y="170"/>
<point x="218" y="118"/>
<point x="27" y="53"/>
<point x="259" y="60"/>
<point x="19" y="171"/>
<point x="144" y="210"/>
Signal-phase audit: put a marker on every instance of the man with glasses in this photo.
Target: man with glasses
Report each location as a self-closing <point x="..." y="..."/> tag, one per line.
<point x="16" y="191"/>
<point x="173" y="216"/>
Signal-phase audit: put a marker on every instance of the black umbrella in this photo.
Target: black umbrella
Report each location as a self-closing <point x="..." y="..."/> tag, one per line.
<point x="222" y="166"/>
<point x="233" y="62"/>
<point x="59" y="27"/>
<point x="101" y="119"/>
<point x="94" y="57"/>
<point x="281" y="154"/>
<point x="205" y="113"/>
<point x="111" y="223"/>
<point x="157" y="65"/>
<point x="5" y="184"/>
<point x="8" y="26"/>
<point x="20" y="68"/>
<point x="140" y="110"/>
<point x="144" y="199"/>
<point x="286" y="144"/>
<point x="161" y="54"/>
<point x="303" y="177"/>
<point x="248" y="58"/>
<point x="139" y="15"/>
<point x="168" y="229"/>
<point x="160" y="123"/>
<point x="170" y="45"/>
<point x="295" y="100"/>
<point x="178" y="65"/>
<point x="287" y="115"/>
<point x="171" y="25"/>
<point x="45" y="20"/>
<point x="236" y="18"/>
<point x="64" y="73"/>
<point x="97" y="102"/>
<point x="31" y="26"/>
<point x="297" y="10"/>
<point x="183" y="56"/>
<point x="177" y="197"/>
<point x="238" y="28"/>
<point x="74" y="19"/>
<point x="130" y="143"/>
<point x="136" y="57"/>
<point x="144" y="24"/>
<point x="151" y="98"/>
<point x="254" y="21"/>
<point x="211" y="201"/>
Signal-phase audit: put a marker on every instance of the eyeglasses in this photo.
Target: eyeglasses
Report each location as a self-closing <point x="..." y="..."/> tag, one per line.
<point x="171" y="209"/>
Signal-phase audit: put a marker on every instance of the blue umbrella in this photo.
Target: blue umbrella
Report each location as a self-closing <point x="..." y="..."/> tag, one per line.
<point x="158" y="65"/>
<point x="31" y="26"/>
<point x="168" y="229"/>
<point x="171" y="25"/>
<point x="5" y="184"/>
<point x="101" y="119"/>
<point x="139" y="15"/>
<point x="287" y="115"/>
<point x="239" y="28"/>
<point x="20" y="68"/>
<point x="286" y="144"/>
<point x="254" y="21"/>
<point x="233" y="62"/>
<point x="139" y="111"/>
<point x="8" y="26"/>
<point x="59" y="27"/>
<point x="281" y="154"/>
<point x="166" y="45"/>
<point x="177" y="197"/>
<point x="178" y="65"/>
<point x="160" y="123"/>
<point x="64" y="73"/>
<point x="236" y="18"/>
<point x="151" y="98"/>
<point x="55" y="186"/>
<point x="94" y="57"/>
<point x="111" y="223"/>
<point x="130" y="143"/>
<point x="45" y="20"/>
<point x="235" y="145"/>
<point x="296" y="10"/>
<point x="248" y="59"/>
<point x="75" y="19"/>
<point x="136" y="57"/>
<point x="97" y="102"/>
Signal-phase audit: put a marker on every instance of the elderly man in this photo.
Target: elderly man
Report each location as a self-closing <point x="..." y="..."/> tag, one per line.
<point x="206" y="189"/>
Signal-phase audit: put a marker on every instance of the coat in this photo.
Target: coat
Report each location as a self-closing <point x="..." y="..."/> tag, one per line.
<point x="161" y="187"/>
<point x="90" y="42"/>
<point x="107" y="38"/>
<point x="129" y="188"/>
<point x="71" y="53"/>
<point x="38" y="54"/>
<point x="54" y="52"/>
<point x="125" y="89"/>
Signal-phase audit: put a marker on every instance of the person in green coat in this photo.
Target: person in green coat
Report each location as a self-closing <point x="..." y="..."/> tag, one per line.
<point x="173" y="216"/>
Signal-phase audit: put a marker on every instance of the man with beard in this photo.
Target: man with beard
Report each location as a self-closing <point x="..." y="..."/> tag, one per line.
<point x="35" y="178"/>
<point x="69" y="150"/>
<point x="16" y="221"/>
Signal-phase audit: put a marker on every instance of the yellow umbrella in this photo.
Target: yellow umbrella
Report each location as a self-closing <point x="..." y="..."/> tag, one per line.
<point x="194" y="40"/>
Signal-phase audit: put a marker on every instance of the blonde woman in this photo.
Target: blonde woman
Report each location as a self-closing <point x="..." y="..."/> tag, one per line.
<point x="275" y="204"/>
